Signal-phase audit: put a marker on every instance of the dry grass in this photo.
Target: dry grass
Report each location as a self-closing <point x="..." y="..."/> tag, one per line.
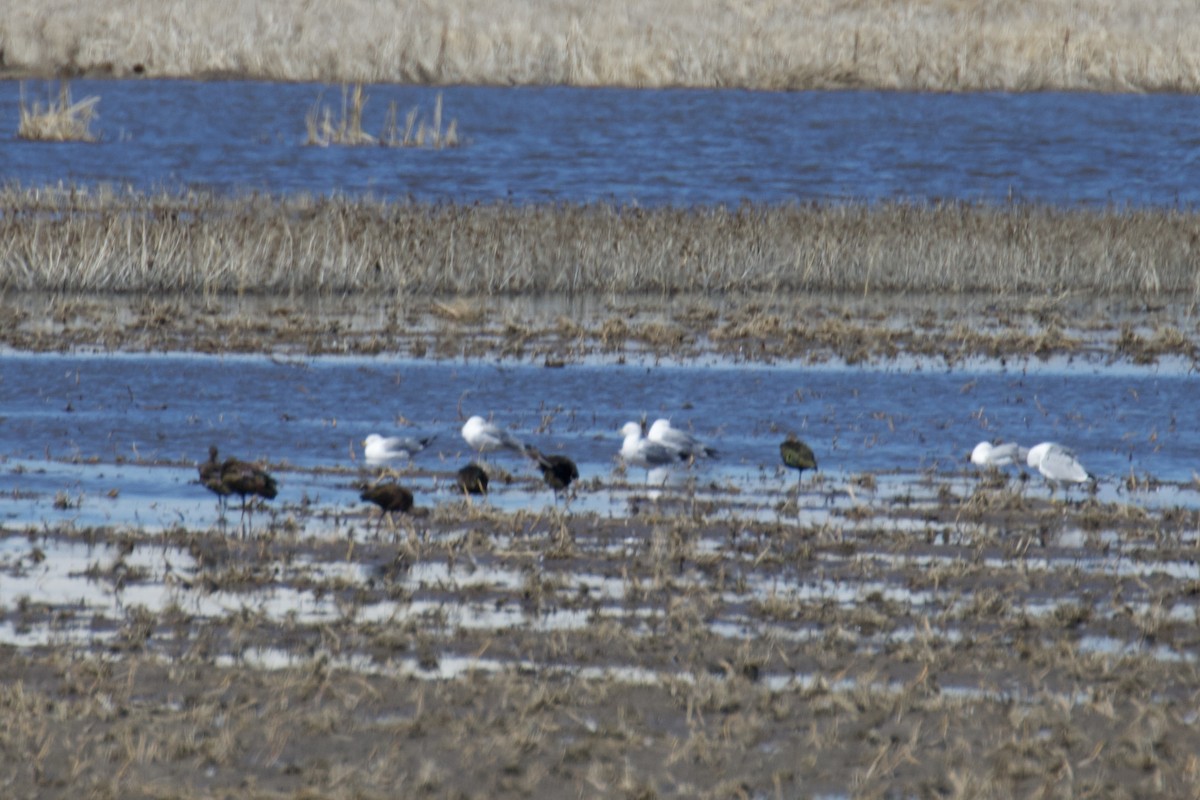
<point x="88" y="240"/>
<point x="61" y="120"/>
<point x="1105" y="45"/>
<point x="323" y="131"/>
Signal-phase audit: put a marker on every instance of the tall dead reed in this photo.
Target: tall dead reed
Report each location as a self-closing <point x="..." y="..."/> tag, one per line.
<point x="61" y="120"/>
<point x="348" y="130"/>
<point x="944" y="45"/>
<point x="113" y="241"/>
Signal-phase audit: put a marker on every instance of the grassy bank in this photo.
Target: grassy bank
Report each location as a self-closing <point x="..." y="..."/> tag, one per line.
<point x="196" y="244"/>
<point x="1100" y="45"/>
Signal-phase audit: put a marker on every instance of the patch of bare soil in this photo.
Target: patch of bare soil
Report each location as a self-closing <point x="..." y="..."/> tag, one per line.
<point x="985" y="644"/>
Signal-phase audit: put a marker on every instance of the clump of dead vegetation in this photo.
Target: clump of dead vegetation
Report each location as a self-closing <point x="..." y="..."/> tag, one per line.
<point x="347" y="130"/>
<point x="59" y="120"/>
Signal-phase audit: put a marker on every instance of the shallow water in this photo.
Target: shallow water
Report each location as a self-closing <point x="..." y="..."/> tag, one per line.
<point x="100" y="439"/>
<point x="646" y="146"/>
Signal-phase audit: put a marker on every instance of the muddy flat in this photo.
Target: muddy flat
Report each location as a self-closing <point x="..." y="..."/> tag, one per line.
<point x="933" y="632"/>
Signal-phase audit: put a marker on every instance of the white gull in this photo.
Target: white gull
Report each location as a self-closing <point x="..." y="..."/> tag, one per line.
<point x="662" y="433"/>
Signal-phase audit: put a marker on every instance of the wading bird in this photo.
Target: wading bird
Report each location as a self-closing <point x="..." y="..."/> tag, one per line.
<point x="644" y="453"/>
<point x="986" y="454"/>
<point x="1057" y="464"/>
<point x="484" y="437"/>
<point x="558" y="471"/>
<point x="797" y="455"/>
<point x="247" y="481"/>
<point x="210" y="478"/>
<point x="378" y="448"/>
<point x="662" y="433"/>
<point x="389" y="496"/>
<point x="472" y="480"/>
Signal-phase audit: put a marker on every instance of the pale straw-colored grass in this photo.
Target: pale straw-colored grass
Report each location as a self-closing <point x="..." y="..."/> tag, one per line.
<point x="105" y="240"/>
<point x="347" y="130"/>
<point x="1104" y="45"/>
<point x="59" y="120"/>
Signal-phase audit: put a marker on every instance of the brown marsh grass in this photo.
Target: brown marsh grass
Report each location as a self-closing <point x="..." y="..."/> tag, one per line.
<point x="954" y="45"/>
<point x="107" y="240"/>
<point x="61" y="120"/>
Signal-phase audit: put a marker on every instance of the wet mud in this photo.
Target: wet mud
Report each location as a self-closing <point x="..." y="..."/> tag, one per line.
<point x="558" y="330"/>
<point x="951" y="634"/>
<point x="971" y="638"/>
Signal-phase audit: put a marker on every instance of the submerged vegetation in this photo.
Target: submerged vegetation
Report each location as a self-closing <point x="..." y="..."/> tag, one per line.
<point x="941" y="45"/>
<point x="107" y="240"/>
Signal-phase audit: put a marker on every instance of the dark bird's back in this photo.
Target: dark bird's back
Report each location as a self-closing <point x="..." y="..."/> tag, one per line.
<point x="246" y="479"/>
<point x="210" y="474"/>
<point x="472" y="479"/>
<point x="558" y="471"/>
<point x="797" y="455"/>
<point x="389" y="497"/>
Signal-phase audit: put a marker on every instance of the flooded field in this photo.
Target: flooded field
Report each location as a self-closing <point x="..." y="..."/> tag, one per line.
<point x="892" y="277"/>
<point x="898" y="624"/>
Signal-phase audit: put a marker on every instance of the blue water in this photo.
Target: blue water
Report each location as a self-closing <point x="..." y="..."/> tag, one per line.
<point x="116" y="410"/>
<point x="651" y="147"/>
<point x="313" y="413"/>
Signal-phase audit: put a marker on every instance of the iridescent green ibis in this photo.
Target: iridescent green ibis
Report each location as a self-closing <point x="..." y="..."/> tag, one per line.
<point x="210" y="478"/>
<point x="246" y="481"/>
<point x="797" y="455"/>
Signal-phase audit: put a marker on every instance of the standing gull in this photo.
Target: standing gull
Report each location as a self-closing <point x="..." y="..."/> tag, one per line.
<point x="1057" y="464"/>
<point x="986" y="454"/>
<point x="662" y="433"/>
<point x="647" y="454"/>
<point x="797" y="455"/>
<point x="484" y="437"/>
<point x="378" y="448"/>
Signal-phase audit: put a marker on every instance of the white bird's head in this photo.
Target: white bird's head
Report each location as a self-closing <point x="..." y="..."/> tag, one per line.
<point x="631" y="429"/>
<point x="473" y="425"/>
<point x="979" y="456"/>
<point x="1037" y="453"/>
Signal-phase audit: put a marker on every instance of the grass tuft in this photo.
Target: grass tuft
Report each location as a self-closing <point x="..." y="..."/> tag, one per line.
<point x="347" y="131"/>
<point x="61" y="120"/>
